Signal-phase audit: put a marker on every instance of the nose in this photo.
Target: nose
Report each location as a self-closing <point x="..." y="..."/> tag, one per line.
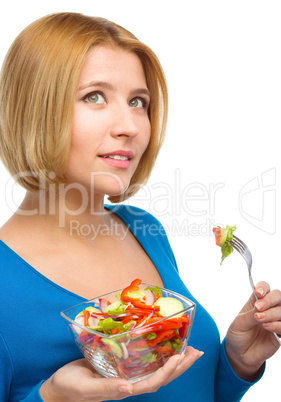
<point x="124" y="122"/>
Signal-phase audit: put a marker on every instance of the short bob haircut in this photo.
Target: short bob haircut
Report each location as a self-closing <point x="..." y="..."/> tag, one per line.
<point x="40" y="74"/>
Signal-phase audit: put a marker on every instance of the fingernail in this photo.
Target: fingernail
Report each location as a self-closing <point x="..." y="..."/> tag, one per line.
<point x="266" y="324"/>
<point x="126" y="389"/>
<point x="259" y="315"/>
<point x="200" y="354"/>
<point x="261" y="291"/>
<point x="259" y="305"/>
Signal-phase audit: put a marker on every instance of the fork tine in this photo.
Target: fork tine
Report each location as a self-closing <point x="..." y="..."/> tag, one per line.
<point x="240" y="242"/>
<point x="240" y="246"/>
<point x="240" y="250"/>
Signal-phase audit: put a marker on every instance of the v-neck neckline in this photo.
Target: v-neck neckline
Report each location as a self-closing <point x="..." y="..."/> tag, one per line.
<point x="118" y="212"/>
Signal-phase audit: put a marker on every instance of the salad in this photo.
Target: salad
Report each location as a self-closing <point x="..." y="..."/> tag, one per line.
<point x="223" y="238"/>
<point x="133" y="331"/>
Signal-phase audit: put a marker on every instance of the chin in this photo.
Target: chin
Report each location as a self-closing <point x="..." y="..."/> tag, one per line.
<point x="112" y="188"/>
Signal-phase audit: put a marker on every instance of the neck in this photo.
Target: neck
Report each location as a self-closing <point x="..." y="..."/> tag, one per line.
<point x="64" y="210"/>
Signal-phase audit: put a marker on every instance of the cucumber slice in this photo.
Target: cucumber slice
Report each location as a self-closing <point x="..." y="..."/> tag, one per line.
<point x="169" y="306"/>
<point x="136" y="295"/>
<point x="115" y="308"/>
<point x="114" y="347"/>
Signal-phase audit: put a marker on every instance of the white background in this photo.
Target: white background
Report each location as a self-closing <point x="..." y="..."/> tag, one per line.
<point x="222" y="62"/>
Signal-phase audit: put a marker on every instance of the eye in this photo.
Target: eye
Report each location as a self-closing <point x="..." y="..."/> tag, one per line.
<point x="94" y="97"/>
<point x="137" y="102"/>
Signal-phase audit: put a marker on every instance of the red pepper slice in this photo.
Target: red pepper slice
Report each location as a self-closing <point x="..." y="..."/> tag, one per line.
<point x="139" y="311"/>
<point x="162" y="336"/>
<point x="183" y="319"/>
<point x="116" y="331"/>
<point x="157" y="297"/>
<point x="162" y="326"/>
<point x="126" y="320"/>
<point x="183" y="329"/>
<point x="166" y="349"/>
<point x="82" y="335"/>
<point x="141" y="343"/>
<point x="86" y="317"/>
<point x="134" y="287"/>
<point x="166" y="325"/>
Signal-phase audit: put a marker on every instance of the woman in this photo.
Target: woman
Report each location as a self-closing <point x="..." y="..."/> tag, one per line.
<point x="83" y="107"/>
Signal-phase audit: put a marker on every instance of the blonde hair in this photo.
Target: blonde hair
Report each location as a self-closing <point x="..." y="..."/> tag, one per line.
<point x="40" y="74"/>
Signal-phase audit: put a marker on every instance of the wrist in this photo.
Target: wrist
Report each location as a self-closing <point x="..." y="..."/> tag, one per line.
<point x="243" y="369"/>
<point x="48" y="393"/>
<point x="246" y="373"/>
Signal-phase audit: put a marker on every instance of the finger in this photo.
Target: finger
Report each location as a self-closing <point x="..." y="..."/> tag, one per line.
<point x="270" y="315"/>
<point x="261" y="289"/>
<point x="107" y="388"/>
<point x="183" y="365"/>
<point x="166" y="373"/>
<point x="270" y="300"/>
<point x="274" y="326"/>
<point x="245" y="321"/>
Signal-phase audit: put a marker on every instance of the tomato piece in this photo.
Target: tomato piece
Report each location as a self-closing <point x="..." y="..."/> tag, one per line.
<point x="217" y="232"/>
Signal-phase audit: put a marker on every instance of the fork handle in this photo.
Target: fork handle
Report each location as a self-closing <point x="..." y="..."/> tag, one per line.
<point x="253" y="287"/>
<point x="277" y="337"/>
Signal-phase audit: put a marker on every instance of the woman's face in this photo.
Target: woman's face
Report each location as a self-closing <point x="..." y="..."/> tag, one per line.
<point x="111" y="128"/>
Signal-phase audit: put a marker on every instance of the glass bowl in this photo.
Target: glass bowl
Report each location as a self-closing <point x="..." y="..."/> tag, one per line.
<point x="139" y="351"/>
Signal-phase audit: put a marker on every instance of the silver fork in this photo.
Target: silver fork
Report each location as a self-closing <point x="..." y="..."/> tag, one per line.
<point x="241" y="247"/>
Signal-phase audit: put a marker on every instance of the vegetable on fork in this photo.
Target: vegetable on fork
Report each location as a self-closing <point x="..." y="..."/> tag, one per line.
<point x="223" y="238"/>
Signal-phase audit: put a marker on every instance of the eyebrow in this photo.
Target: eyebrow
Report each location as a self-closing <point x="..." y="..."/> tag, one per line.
<point x="102" y="84"/>
<point x="107" y="85"/>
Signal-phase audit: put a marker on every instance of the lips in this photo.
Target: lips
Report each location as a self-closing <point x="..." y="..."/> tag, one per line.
<point x="119" y="159"/>
<point x="119" y="155"/>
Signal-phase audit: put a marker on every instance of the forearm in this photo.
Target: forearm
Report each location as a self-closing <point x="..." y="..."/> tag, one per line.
<point x="228" y="385"/>
<point x="247" y="371"/>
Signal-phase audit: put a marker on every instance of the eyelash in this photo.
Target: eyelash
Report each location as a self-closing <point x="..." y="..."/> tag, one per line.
<point x="144" y="101"/>
<point x="93" y="93"/>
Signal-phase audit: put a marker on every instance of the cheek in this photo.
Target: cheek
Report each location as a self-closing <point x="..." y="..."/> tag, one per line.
<point x="81" y="127"/>
<point x="87" y="131"/>
<point x="145" y="138"/>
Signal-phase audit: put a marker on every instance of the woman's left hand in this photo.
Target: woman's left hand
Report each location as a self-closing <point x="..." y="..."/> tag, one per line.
<point x="249" y="340"/>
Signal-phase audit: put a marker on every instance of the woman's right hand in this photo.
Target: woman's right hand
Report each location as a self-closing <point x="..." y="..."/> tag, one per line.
<point x="77" y="381"/>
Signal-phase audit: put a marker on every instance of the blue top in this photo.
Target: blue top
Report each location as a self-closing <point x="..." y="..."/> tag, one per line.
<point x="34" y="340"/>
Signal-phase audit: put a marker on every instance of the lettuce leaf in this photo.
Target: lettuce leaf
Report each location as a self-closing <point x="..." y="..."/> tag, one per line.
<point x="227" y="234"/>
<point x="148" y="357"/>
<point x="115" y="308"/>
<point x="226" y="250"/>
<point x="226" y="237"/>
<point x="108" y="324"/>
<point x="156" y="290"/>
